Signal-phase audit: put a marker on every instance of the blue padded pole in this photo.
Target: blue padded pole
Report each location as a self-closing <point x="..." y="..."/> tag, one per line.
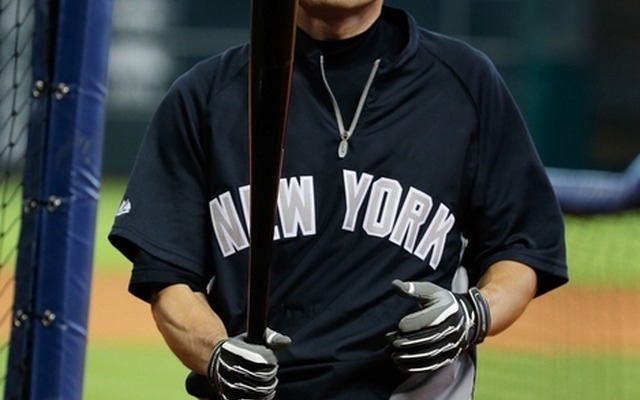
<point x="77" y="96"/>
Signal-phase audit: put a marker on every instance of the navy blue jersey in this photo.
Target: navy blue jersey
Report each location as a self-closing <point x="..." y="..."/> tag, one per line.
<point x="439" y="171"/>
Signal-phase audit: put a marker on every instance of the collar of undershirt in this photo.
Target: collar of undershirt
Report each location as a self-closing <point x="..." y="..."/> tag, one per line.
<point x="382" y="40"/>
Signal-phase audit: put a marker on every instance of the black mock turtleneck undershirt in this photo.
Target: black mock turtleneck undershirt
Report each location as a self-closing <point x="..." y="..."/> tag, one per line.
<point x="348" y="62"/>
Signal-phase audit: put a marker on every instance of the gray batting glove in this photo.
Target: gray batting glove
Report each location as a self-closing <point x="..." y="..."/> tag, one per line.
<point x="446" y="325"/>
<point x="241" y="370"/>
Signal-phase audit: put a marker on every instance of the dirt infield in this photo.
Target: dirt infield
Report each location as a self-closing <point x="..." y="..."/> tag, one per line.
<point x="577" y="320"/>
<point x="570" y="319"/>
<point x="115" y="315"/>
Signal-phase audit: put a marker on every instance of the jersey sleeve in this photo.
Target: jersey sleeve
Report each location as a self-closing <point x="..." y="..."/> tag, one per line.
<point x="514" y="214"/>
<point x="152" y="275"/>
<point x="165" y="209"/>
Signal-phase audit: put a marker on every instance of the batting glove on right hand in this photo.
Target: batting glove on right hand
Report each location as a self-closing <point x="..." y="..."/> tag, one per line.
<point x="241" y="370"/>
<point x="445" y="326"/>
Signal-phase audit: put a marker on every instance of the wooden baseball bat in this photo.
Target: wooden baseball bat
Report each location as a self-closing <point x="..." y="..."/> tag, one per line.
<point x="271" y="43"/>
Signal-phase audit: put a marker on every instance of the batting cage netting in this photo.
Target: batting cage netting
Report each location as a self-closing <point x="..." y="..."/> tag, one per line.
<point x="53" y="61"/>
<point x="16" y="43"/>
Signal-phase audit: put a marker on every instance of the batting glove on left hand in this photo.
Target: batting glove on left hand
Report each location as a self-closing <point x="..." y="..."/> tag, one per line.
<point x="242" y="370"/>
<point x="445" y="326"/>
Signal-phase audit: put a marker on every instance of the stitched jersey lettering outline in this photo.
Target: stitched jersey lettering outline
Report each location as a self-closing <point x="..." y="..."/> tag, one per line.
<point x="381" y="205"/>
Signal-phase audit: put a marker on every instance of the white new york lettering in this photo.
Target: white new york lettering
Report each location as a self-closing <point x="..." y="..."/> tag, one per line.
<point x="381" y="218"/>
<point x="435" y="237"/>
<point x="413" y="215"/>
<point x="296" y="207"/>
<point x="245" y="200"/>
<point x="382" y="208"/>
<point x="354" y="193"/>
<point x="226" y="225"/>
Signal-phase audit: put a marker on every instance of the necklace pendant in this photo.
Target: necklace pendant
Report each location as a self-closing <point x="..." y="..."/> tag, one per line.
<point x="343" y="148"/>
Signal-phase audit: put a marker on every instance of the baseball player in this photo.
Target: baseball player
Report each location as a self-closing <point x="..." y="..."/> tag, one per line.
<point x="414" y="216"/>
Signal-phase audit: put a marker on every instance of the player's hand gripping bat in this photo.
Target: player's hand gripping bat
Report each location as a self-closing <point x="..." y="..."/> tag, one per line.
<point x="272" y="38"/>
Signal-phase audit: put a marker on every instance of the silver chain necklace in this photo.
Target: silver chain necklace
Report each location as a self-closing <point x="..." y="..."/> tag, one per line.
<point x="345" y="134"/>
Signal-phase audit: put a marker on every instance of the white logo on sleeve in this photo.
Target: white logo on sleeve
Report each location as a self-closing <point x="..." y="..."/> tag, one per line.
<point x="125" y="208"/>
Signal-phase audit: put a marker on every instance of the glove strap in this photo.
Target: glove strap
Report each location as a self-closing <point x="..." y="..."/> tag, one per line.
<point x="483" y="315"/>
<point x="211" y="368"/>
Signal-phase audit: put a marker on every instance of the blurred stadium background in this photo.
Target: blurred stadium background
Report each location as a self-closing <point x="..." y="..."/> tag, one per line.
<point x="573" y="67"/>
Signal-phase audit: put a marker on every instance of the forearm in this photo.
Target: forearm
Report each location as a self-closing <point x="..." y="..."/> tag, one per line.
<point x="189" y="326"/>
<point x="508" y="287"/>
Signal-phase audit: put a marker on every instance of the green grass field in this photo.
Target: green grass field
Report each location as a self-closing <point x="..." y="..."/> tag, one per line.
<point x="522" y="376"/>
<point x="151" y="373"/>
<point x="602" y="252"/>
<point x="132" y="371"/>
